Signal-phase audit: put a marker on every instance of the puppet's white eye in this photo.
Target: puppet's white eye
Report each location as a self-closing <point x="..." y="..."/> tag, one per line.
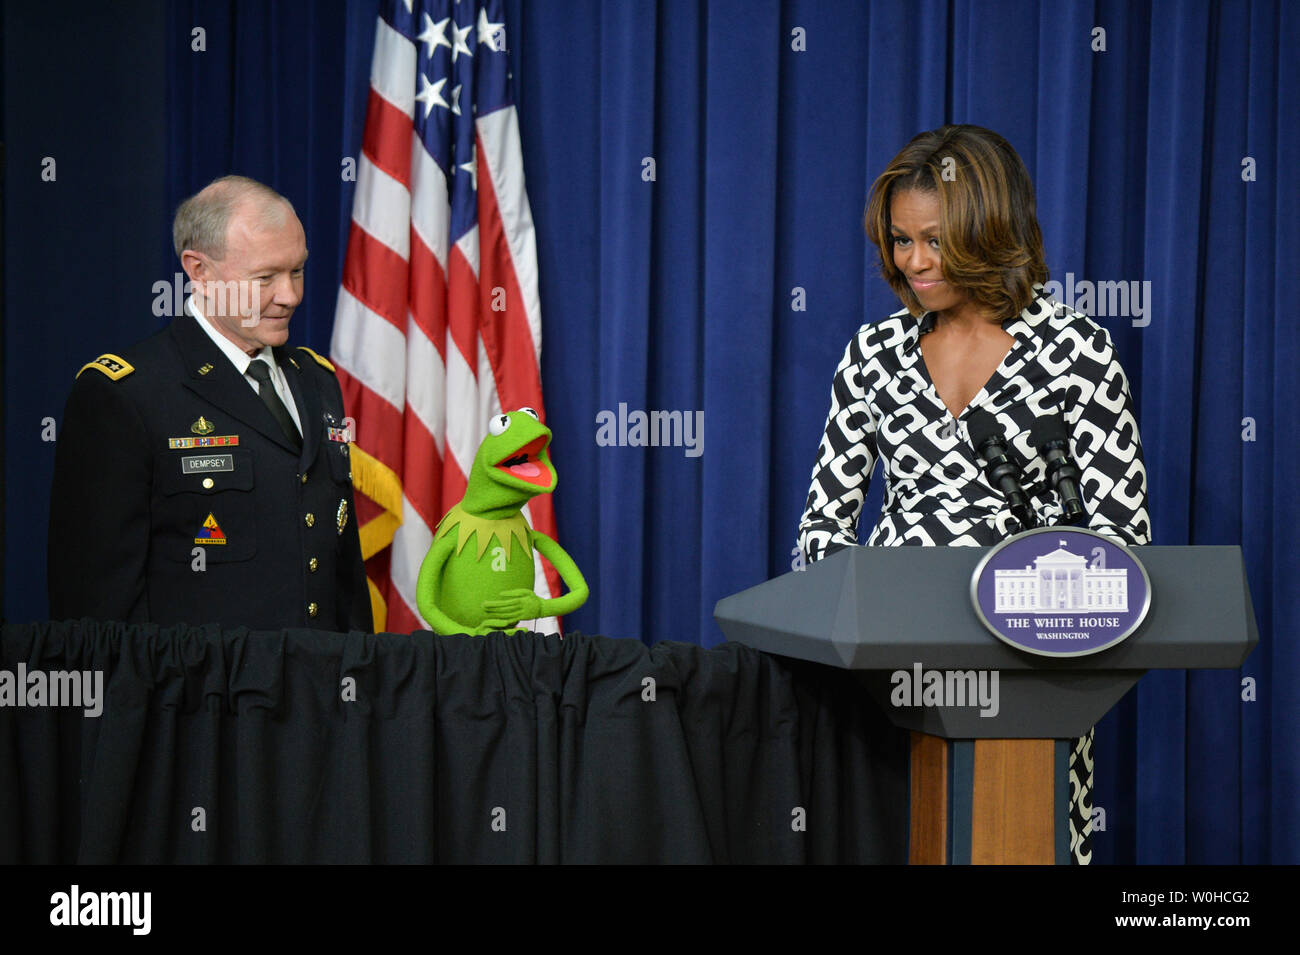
<point x="530" y="411"/>
<point x="498" y="425"/>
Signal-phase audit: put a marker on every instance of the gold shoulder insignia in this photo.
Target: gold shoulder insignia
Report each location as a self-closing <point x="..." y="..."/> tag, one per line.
<point x="111" y="365"/>
<point x="319" y="360"/>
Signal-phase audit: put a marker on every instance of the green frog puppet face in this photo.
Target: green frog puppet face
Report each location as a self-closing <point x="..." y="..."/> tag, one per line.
<point x="512" y="464"/>
<point x="490" y="587"/>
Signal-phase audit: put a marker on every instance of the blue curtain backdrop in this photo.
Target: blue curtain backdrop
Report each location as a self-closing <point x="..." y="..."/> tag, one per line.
<point x="679" y="291"/>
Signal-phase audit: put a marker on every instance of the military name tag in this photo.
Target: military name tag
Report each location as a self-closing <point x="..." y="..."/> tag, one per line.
<point x="195" y="464"/>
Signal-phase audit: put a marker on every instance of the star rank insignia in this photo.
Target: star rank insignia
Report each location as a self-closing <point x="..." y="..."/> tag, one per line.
<point x="203" y="426"/>
<point x="112" y="366"/>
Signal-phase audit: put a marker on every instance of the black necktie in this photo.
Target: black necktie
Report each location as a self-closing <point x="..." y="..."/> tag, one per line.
<point x="260" y="372"/>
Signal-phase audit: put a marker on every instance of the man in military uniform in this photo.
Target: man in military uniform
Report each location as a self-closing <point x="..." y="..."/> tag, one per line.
<point x="203" y="475"/>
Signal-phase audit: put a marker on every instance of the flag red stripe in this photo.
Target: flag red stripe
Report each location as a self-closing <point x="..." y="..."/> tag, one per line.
<point x="453" y="484"/>
<point x="379" y="424"/>
<point x="423" y="475"/>
<point x="376" y="276"/>
<point x="387" y="138"/>
<point x="507" y="339"/>
<point x="401" y="619"/>
<point x="462" y="303"/>
<point x="428" y="294"/>
<point x="367" y="510"/>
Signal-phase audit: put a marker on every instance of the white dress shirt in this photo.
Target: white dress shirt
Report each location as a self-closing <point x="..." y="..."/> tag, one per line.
<point x="242" y="360"/>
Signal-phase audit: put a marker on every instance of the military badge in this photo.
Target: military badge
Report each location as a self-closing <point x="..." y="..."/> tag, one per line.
<point x="113" y="366"/>
<point x="203" y="426"/>
<point x="214" y="441"/>
<point x="211" y="532"/>
<point x="343" y="515"/>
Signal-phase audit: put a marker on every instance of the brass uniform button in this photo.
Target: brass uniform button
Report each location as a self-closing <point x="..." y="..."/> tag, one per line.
<point x="207" y="482"/>
<point x="312" y="609"/>
<point x="310" y="519"/>
<point x="313" y="564"/>
<point x="304" y="477"/>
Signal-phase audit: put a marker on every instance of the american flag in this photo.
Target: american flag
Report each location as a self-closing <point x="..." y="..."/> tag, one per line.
<point x="438" y="325"/>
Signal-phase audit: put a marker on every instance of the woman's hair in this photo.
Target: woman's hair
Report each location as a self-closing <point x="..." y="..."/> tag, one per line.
<point x="990" y="245"/>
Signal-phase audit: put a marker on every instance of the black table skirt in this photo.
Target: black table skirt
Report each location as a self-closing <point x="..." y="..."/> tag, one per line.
<point x="303" y="746"/>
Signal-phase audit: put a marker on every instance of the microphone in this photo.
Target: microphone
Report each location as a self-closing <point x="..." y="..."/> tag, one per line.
<point x="1003" y="472"/>
<point x="1050" y="437"/>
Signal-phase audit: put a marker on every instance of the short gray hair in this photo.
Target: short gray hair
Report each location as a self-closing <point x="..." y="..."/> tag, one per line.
<point x="202" y="219"/>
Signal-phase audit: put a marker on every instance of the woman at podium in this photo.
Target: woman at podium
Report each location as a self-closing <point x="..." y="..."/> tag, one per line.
<point x="953" y="219"/>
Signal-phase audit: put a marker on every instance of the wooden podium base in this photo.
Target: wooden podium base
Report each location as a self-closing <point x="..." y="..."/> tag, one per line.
<point x="989" y="801"/>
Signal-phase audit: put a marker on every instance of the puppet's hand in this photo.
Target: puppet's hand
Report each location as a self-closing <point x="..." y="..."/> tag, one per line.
<point x="514" y="605"/>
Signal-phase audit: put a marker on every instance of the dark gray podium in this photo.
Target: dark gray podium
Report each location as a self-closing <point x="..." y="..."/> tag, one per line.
<point x="992" y="787"/>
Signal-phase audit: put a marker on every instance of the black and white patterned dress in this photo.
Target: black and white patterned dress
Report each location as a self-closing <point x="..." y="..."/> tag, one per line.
<point x="885" y="407"/>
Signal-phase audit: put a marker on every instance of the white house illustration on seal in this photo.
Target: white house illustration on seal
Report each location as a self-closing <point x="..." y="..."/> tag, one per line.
<point x="1061" y="580"/>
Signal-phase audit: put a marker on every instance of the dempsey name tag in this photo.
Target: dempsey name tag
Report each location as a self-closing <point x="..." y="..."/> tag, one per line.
<point x="204" y="464"/>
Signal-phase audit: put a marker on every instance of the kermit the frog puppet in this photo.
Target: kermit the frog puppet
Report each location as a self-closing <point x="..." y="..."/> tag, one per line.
<point x="478" y="575"/>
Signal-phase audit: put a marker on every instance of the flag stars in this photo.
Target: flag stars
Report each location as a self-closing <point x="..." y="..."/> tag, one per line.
<point x="470" y="167"/>
<point x="455" y="99"/>
<point x="492" y="34"/>
<point x="435" y="34"/>
<point x="461" y="46"/>
<point x="431" y="94"/>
